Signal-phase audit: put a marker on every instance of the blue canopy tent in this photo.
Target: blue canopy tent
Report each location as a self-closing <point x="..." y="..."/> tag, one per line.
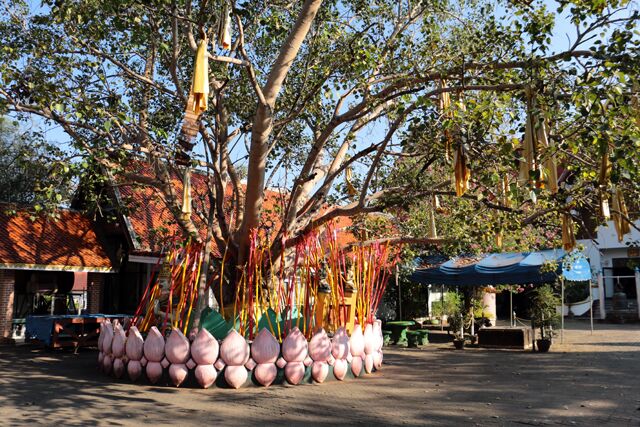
<point x="495" y="269"/>
<point x="515" y="268"/>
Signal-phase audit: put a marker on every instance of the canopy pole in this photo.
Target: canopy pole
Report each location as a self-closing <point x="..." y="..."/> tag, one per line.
<point x="637" y="278"/>
<point x="562" y="310"/>
<point x="399" y="295"/>
<point x="442" y="308"/>
<point x="601" y="295"/>
<point x="591" y="306"/>
<point x="510" y="306"/>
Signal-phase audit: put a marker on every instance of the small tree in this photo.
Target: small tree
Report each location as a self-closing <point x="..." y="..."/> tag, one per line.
<point x="543" y="310"/>
<point x="452" y="305"/>
<point x="32" y="170"/>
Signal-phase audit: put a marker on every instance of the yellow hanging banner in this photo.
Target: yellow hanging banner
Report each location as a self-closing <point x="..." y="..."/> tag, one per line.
<point x="186" y="192"/>
<point x="620" y="215"/>
<point x="348" y="176"/>
<point x="568" y="236"/>
<point x="200" y="83"/>
<point x="462" y="172"/>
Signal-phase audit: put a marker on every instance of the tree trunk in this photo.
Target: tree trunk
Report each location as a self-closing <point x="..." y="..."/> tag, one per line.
<point x="263" y="124"/>
<point x="204" y="270"/>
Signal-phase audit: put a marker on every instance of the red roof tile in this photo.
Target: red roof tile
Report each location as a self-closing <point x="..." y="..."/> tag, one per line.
<point x="152" y="223"/>
<point x="68" y="243"/>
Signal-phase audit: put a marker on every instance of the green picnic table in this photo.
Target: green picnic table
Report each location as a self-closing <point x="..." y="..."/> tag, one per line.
<point x="399" y="330"/>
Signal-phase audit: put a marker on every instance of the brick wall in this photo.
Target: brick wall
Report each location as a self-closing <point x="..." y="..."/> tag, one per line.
<point x="95" y="286"/>
<point x="7" y="279"/>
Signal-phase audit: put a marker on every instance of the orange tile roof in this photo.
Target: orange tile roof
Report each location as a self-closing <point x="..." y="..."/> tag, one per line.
<point x="345" y="236"/>
<point x="151" y="223"/>
<point x="68" y="243"/>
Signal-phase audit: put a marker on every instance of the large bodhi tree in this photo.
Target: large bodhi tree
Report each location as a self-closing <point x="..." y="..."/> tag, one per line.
<point x="309" y="91"/>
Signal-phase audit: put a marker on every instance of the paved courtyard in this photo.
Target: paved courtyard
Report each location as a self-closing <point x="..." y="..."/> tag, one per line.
<point x="591" y="380"/>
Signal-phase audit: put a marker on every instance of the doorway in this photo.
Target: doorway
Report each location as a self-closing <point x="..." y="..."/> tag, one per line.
<point x="626" y="284"/>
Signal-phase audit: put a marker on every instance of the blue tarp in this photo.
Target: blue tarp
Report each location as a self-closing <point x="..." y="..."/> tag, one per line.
<point x="494" y="269"/>
<point x="41" y="327"/>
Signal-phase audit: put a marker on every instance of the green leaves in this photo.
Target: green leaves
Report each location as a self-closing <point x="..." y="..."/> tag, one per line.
<point x="86" y="62"/>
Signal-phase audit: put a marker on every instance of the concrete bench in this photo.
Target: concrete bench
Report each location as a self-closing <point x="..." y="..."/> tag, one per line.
<point x="497" y="337"/>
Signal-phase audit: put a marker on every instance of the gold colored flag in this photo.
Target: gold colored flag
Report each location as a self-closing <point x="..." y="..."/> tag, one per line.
<point x="200" y="83"/>
<point x="568" y="236"/>
<point x="224" y="30"/>
<point x="620" y="215"/>
<point x="462" y="172"/>
<point x="433" y="232"/>
<point x="348" y="176"/>
<point x="186" y="192"/>
<point x="551" y="168"/>
<point x="445" y="110"/>
<point x="506" y="200"/>
<point x="604" y="206"/>
<point x="605" y="169"/>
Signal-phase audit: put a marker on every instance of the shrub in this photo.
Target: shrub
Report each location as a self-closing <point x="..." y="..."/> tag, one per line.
<point x="452" y="305"/>
<point x="543" y="310"/>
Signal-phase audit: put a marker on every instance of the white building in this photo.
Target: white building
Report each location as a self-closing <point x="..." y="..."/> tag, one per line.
<point x="616" y="262"/>
<point x="613" y="258"/>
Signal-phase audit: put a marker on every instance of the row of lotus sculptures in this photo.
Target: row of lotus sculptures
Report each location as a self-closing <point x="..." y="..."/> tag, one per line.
<point x="130" y="352"/>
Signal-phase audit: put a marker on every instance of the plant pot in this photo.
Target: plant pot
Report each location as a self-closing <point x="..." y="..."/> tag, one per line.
<point x="458" y="344"/>
<point x="543" y="345"/>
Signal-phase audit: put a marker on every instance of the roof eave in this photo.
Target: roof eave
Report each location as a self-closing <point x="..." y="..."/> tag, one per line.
<point x="42" y="267"/>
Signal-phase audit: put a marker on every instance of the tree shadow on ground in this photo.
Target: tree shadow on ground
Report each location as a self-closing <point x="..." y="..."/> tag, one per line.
<point x="429" y="386"/>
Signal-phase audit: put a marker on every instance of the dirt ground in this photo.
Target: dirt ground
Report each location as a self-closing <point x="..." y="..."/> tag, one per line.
<point x="591" y="380"/>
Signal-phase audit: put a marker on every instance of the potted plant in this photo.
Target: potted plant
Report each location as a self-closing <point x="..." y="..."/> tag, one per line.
<point x="455" y="326"/>
<point x="544" y="315"/>
<point x="450" y="304"/>
<point x="474" y="318"/>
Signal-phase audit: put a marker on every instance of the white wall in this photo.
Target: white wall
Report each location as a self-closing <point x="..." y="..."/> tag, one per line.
<point x="605" y="248"/>
<point x="435" y="294"/>
<point x="608" y="239"/>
